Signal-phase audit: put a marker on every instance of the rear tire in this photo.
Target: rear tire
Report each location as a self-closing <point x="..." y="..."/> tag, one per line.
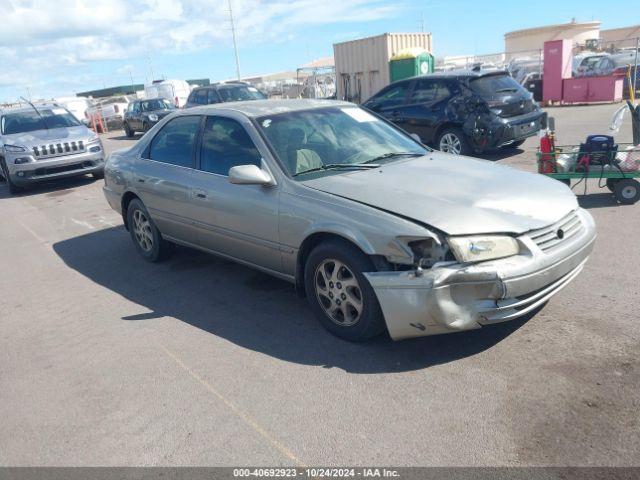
<point x="145" y="235"/>
<point x="611" y="184"/>
<point x="340" y="296"/>
<point x="627" y="191"/>
<point x="516" y="144"/>
<point x="453" y="140"/>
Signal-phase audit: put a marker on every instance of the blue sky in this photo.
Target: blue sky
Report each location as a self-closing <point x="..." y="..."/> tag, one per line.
<point x="58" y="48"/>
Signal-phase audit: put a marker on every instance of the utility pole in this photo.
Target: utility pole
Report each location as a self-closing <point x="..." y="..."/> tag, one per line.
<point x="422" y="22"/>
<point x="235" y="44"/>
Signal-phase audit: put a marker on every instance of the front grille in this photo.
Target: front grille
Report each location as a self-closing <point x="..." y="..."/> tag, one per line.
<point x="57" y="149"/>
<point x="555" y="235"/>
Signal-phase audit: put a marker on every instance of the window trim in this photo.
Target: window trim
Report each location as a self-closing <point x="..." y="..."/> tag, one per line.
<point x="147" y="149"/>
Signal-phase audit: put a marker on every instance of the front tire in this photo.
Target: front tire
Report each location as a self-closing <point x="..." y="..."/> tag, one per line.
<point x="13" y="188"/>
<point x="453" y="140"/>
<point x="127" y="130"/>
<point x="340" y="296"/>
<point x="145" y="235"/>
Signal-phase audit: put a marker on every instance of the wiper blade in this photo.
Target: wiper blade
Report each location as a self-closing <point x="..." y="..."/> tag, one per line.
<point x="506" y="90"/>
<point x="337" y="166"/>
<point x="392" y="155"/>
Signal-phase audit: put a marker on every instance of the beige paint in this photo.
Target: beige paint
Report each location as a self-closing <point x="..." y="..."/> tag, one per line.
<point x="620" y="37"/>
<point x="367" y="60"/>
<point x="530" y="41"/>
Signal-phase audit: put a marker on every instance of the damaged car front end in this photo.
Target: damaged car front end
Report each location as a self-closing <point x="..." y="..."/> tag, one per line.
<point x="465" y="294"/>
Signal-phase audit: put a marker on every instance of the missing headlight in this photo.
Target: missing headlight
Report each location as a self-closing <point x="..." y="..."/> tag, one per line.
<point x="428" y="252"/>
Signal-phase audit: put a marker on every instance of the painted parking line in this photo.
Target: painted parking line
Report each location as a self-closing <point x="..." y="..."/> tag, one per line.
<point x="234" y="409"/>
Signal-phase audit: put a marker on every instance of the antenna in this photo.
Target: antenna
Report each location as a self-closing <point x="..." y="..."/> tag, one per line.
<point x="235" y="45"/>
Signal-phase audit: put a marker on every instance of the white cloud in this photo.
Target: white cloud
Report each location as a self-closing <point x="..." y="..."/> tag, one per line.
<point x="49" y="36"/>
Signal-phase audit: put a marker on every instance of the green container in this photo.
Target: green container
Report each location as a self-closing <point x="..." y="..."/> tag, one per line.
<point x="409" y="65"/>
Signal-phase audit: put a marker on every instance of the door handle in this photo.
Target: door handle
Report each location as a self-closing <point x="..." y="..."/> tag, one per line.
<point x="141" y="180"/>
<point x="199" y="194"/>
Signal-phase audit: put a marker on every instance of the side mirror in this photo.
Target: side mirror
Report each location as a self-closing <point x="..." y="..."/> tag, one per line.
<point x="249" y="175"/>
<point x="416" y="137"/>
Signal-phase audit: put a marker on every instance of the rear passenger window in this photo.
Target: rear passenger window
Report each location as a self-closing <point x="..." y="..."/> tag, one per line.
<point x="213" y="96"/>
<point x="430" y="91"/>
<point x="200" y="97"/>
<point x="175" y="143"/>
<point x="226" y="144"/>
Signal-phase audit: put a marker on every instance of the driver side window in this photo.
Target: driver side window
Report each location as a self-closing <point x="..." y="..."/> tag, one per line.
<point x="226" y="144"/>
<point x="392" y="97"/>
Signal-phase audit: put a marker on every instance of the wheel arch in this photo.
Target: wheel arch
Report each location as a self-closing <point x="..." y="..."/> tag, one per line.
<point x="443" y="126"/>
<point x="316" y="238"/>
<point x="126" y="200"/>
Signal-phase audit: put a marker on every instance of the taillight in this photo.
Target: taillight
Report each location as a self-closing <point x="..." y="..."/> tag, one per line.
<point x="116" y="109"/>
<point x="177" y="102"/>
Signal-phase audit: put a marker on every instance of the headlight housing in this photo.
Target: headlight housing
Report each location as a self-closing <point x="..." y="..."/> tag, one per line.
<point x="479" y="248"/>
<point x="94" y="139"/>
<point x="14" y="149"/>
<point x="153" y="117"/>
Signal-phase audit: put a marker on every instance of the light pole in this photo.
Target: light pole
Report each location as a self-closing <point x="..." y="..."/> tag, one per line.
<point x="235" y="44"/>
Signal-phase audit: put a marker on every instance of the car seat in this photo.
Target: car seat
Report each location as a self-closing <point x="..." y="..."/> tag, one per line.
<point x="300" y="158"/>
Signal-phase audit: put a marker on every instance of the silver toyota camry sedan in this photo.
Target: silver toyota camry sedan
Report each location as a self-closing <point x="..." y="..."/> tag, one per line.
<point x="376" y="230"/>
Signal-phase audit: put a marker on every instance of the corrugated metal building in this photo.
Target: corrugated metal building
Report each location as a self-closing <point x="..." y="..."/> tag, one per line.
<point x="362" y="66"/>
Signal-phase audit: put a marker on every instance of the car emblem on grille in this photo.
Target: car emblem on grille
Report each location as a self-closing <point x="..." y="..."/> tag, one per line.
<point x="560" y="233"/>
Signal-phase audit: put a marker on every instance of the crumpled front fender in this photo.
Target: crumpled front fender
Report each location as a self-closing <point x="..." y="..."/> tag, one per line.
<point x="432" y="303"/>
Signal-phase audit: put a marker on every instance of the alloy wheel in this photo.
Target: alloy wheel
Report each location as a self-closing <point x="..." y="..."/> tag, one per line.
<point x="142" y="230"/>
<point x="338" y="292"/>
<point x="450" y="143"/>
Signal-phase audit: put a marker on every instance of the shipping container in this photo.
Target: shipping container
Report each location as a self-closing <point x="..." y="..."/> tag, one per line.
<point x="362" y="66"/>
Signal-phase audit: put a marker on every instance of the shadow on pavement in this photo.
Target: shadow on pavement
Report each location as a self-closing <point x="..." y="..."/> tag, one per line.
<point x="501" y="154"/>
<point x="251" y="309"/>
<point x="59" y="187"/>
<point x="597" y="200"/>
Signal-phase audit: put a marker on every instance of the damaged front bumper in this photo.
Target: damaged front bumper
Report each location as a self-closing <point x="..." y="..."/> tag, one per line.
<point x="461" y="297"/>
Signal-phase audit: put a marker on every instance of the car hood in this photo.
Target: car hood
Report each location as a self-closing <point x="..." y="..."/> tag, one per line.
<point x="39" y="137"/>
<point x="457" y="195"/>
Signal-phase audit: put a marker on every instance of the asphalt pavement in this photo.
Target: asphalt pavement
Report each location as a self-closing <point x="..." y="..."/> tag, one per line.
<point x="106" y="359"/>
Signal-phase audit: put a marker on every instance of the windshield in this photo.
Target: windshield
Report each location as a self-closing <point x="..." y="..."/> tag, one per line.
<point x="156" y="104"/>
<point x="29" y="121"/>
<point x="240" y="93"/>
<point x="333" y="137"/>
<point x="491" y="84"/>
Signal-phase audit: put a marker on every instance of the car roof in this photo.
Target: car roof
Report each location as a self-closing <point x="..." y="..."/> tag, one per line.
<point x="259" y="108"/>
<point x="456" y="75"/>
<point x="29" y="108"/>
